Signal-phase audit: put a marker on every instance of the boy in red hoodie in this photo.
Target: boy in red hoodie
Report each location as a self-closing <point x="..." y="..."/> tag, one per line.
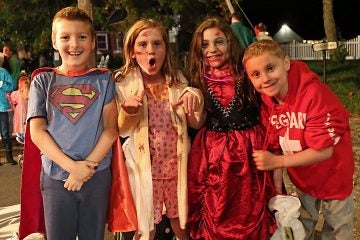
<point x="306" y="119"/>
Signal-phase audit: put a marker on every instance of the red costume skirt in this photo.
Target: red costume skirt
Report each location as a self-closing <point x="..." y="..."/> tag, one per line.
<point x="228" y="196"/>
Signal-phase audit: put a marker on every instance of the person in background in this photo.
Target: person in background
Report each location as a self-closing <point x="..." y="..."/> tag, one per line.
<point x="261" y="32"/>
<point x="72" y="120"/>
<point x="155" y="108"/>
<point x="26" y="62"/>
<point x="306" y="119"/>
<point x="6" y="86"/>
<point x="228" y="196"/>
<point x="19" y="98"/>
<point x="244" y="34"/>
<point x="15" y="70"/>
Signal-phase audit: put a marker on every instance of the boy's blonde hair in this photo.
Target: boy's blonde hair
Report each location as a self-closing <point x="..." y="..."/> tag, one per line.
<point x="258" y="48"/>
<point x="169" y="66"/>
<point x="72" y="14"/>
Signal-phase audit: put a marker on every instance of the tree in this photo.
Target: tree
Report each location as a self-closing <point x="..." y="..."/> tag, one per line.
<point x="86" y="5"/>
<point x="29" y="21"/>
<point x="329" y="21"/>
<point x="339" y="54"/>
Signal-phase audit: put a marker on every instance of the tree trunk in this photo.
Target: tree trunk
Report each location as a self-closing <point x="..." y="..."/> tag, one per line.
<point x="86" y="5"/>
<point x="329" y="21"/>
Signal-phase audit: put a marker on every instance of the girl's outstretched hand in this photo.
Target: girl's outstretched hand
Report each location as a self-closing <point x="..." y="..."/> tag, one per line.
<point x="132" y="104"/>
<point x="190" y="103"/>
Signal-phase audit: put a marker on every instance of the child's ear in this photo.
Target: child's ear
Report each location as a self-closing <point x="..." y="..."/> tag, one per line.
<point x="53" y="40"/>
<point x="93" y="44"/>
<point x="287" y="63"/>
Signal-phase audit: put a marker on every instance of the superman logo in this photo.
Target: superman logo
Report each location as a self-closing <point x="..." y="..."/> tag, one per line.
<point x="73" y="100"/>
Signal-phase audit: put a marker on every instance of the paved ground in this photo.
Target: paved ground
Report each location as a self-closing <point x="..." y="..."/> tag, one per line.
<point x="10" y="182"/>
<point x="10" y="178"/>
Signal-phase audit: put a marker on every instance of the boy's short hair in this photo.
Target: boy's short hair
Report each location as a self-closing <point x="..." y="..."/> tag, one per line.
<point x="258" y="48"/>
<point x="2" y="58"/>
<point x="73" y="14"/>
<point x="261" y="27"/>
<point x="237" y="15"/>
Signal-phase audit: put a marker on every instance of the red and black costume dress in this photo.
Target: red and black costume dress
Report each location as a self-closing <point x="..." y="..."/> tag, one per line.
<point x="228" y="196"/>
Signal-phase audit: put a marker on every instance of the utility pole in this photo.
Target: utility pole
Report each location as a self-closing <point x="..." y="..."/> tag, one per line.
<point x="86" y="5"/>
<point x="230" y="6"/>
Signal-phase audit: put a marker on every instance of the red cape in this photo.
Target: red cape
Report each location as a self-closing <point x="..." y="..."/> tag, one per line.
<point x="122" y="212"/>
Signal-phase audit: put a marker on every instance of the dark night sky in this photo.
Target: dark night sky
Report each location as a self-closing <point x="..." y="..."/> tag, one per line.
<point x="305" y="17"/>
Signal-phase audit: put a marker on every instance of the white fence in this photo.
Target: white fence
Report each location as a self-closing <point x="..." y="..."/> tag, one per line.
<point x="304" y="51"/>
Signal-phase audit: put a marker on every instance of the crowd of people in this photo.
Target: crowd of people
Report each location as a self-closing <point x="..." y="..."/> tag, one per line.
<point x="17" y="66"/>
<point x="255" y="113"/>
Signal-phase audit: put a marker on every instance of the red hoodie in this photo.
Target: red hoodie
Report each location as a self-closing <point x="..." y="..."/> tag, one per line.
<point x="312" y="117"/>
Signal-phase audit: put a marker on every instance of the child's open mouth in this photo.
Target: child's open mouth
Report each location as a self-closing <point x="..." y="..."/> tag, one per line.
<point x="152" y="62"/>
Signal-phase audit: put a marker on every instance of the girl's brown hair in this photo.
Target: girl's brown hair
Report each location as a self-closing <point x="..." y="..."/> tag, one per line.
<point x="169" y="66"/>
<point x="196" y="58"/>
<point x="197" y="63"/>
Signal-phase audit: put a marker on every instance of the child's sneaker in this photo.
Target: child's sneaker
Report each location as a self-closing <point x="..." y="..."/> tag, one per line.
<point x="20" y="138"/>
<point x="19" y="134"/>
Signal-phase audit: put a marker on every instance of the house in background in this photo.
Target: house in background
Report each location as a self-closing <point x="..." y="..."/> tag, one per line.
<point x="110" y="44"/>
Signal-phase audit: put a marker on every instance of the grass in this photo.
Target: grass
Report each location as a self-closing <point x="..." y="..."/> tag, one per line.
<point x="343" y="79"/>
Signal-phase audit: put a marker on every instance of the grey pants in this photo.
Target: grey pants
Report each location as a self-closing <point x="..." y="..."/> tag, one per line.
<point x="338" y="217"/>
<point x="70" y="214"/>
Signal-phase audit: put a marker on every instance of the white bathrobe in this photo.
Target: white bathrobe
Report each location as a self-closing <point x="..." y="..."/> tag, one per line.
<point x="136" y="147"/>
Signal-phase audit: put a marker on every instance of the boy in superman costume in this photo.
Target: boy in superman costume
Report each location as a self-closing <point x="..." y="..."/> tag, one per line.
<point x="71" y="141"/>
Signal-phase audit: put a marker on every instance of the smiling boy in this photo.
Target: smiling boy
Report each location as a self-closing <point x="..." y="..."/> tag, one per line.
<point x="312" y="128"/>
<point x="72" y="116"/>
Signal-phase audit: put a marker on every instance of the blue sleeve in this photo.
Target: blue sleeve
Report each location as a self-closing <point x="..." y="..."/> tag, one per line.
<point x="37" y="98"/>
<point x="6" y="81"/>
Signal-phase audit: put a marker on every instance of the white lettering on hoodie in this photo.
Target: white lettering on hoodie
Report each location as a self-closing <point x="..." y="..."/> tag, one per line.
<point x="289" y="119"/>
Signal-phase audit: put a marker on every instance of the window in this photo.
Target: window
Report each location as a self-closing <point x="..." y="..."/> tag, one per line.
<point x="102" y="42"/>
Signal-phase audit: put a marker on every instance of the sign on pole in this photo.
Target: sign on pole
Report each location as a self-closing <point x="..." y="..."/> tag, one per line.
<point x="324" y="46"/>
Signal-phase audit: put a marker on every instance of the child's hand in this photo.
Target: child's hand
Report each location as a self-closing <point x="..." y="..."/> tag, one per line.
<point x="73" y="184"/>
<point x="132" y="104"/>
<point x="265" y="160"/>
<point x="190" y="103"/>
<point x="83" y="170"/>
